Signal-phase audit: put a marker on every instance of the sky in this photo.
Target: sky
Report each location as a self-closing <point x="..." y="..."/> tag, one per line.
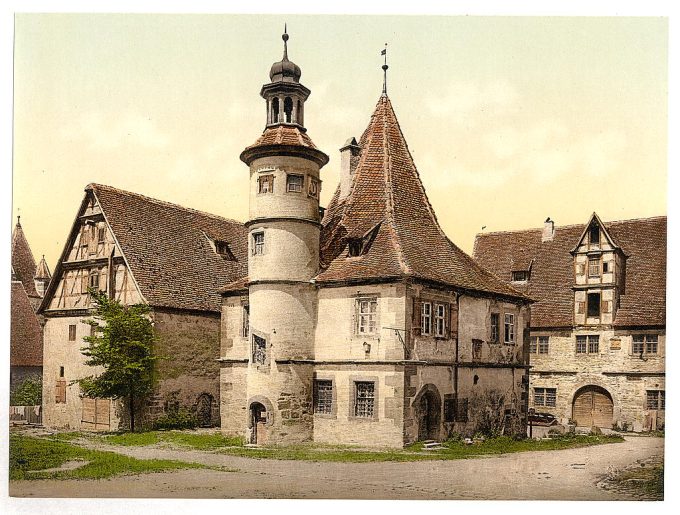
<point x="509" y="119"/>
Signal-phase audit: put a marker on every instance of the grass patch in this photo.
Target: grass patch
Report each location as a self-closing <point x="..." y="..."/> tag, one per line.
<point x="453" y="450"/>
<point x="28" y="454"/>
<point x="200" y="441"/>
<point x="647" y="482"/>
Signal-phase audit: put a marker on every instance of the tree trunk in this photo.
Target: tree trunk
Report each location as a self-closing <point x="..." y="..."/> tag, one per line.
<point x="132" y="412"/>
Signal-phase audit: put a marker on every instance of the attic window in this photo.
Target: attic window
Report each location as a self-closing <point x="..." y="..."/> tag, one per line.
<point x="595" y="234"/>
<point x="222" y="249"/>
<point x="355" y="247"/>
<point x="520" y="275"/>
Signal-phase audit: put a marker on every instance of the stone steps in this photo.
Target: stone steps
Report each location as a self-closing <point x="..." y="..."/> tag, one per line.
<point x="432" y="445"/>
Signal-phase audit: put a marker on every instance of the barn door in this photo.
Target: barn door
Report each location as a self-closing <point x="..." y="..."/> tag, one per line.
<point x="593" y="406"/>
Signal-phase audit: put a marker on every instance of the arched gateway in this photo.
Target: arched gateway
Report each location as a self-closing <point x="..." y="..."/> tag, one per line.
<point x="428" y="407"/>
<point x="593" y="406"/>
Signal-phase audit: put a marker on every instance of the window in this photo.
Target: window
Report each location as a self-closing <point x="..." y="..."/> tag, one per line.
<point x="587" y="344"/>
<point x="450" y="410"/>
<point x="101" y="232"/>
<point x="509" y="328"/>
<point x="60" y="391"/>
<point x="61" y="371"/>
<point x="656" y="399"/>
<point x="594" y="267"/>
<point x="367" y="315"/>
<point x="222" y="248"/>
<point x="245" y="321"/>
<point x="426" y="318"/>
<point x="520" y="275"/>
<point x="258" y="244"/>
<point x="94" y="279"/>
<point x="645" y="343"/>
<point x="476" y="349"/>
<point x="259" y="350"/>
<point x="313" y="188"/>
<point x="265" y="183"/>
<point x="545" y="397"/>
<point x="72" y="333"/>
<point x="495" y="327"/>
<point x="323" y="396"/>
<point x="439" y="320"/>
<point x="606" y="267"/>
<point x="355" y="246"/>
<point x="364" y="399"/>
<point x="93" y="330"/>
<point x="594" y="305"/>
<point x="539" y="344"/>
<point x="594" y="234"/>
<point x="294" y="183"/>
<point x="462" y="410"/>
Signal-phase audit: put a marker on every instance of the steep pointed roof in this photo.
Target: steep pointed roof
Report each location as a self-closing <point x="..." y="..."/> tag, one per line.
<point x="43" y="271"/>
<point x="387" y="196"/>
<point x="23" y="263"/>
<point x="26" y="348"/>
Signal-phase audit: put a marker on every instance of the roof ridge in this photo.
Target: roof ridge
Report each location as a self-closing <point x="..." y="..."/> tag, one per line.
<point x="160" y="202"/>
<point x="571" y="226"/>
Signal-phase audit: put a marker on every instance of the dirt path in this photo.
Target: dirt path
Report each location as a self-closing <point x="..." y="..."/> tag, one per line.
<point x="568" y="474"/>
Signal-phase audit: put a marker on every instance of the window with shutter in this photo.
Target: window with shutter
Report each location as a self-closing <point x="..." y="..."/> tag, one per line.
<point x="580" y="307"/>
<point x="416" y="322"/>
<point x="426" y="318"/>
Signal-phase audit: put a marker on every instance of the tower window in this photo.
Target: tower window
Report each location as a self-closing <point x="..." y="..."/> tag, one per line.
<point x="288" y="109"/>
<point x="593" y="304"/>
<point x="294" y="183"/>
<point x="275" y="110"/>
<point x="265" y="183"/>
<point x="299" y="113"/>
<point x="313" y="190"/>
<point x="259" y="350"/>
<point x="258" y="243"/>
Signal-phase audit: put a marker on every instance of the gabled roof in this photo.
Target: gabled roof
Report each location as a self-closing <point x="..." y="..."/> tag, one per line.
<point x="387" y="190"/>
<point x="23" y="263"/>
<point x="595" y="218"/>
<point x="26" y="348"/>
<point x="643" y="241"/>
<point x="168" y="249"/>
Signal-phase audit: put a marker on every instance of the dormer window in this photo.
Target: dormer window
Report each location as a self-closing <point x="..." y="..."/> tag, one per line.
<point x="222" y="249"/>
<point x="594" y="305"/>
<point x="520" y="276"/>
<point x="355" y="246"/>
<point x="594" y="234"/>
<point x="594" y="267"/>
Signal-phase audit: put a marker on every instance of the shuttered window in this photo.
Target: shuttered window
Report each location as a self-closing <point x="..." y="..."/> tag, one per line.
<point x="60" y="391"/>
<point x="72" y="333"/>
<point x="426" y="318"/>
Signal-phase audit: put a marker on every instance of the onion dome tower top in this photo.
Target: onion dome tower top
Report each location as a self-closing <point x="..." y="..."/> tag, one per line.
<point x="285" y="70"/>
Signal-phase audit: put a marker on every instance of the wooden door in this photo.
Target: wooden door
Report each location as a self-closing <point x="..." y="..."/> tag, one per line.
<point x="593" y="406"/>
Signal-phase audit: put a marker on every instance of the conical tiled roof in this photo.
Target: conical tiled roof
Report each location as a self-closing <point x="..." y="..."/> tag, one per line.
<point x="387" y="207"/>
<point x="23" y="263"/>
<point x="43" y="271"/>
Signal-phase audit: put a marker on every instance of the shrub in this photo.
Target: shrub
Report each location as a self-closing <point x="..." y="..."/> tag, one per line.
<point x="181" y="418"/>
<point x="28" y="393"/>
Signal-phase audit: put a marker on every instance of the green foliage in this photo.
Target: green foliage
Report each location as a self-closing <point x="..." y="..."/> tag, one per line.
<point x="181" y="418"/>
<point x="123" y="344"/>
<point x="201" y="441"/>
<point x="28" y="393"/>
<point x="28" y="454"/>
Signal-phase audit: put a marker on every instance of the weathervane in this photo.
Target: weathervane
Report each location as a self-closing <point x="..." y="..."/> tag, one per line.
<point x="384" y="67"/>
<point x="285" y="41"/>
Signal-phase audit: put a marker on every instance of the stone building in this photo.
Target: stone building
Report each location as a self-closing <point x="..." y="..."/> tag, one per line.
<point x="598" y="327"/>
<point x="140" y="250"/>
<point x="367" y="325"/>
<point x="28" y="286"/>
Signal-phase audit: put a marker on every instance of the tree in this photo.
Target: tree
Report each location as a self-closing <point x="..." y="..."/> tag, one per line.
<point x="123" y="343"/>
<point x="28" y="393"/>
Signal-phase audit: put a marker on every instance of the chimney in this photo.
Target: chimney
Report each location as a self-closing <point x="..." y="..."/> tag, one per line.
<point x="548" y="230"/>
<point x="349" y="158"/>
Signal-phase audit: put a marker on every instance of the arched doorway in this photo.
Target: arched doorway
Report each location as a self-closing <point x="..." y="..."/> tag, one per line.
<point x="204" y="410"/>
<point x="258" y="421"/>
<point x="428" y="409"/>
<point x="593" y="406"/>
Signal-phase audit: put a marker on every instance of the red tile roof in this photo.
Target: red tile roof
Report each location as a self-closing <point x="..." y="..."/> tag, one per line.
<point x="387" y="196"/>
<point x="552" y="270"/>
<point x="23" y="263"/>
<point x="282" y="140"/>
<point x="169" y="251"/>
<point x="26" y="348"/>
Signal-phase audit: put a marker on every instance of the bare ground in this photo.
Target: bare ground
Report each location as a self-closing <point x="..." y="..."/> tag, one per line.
<point x="571" y="474"/>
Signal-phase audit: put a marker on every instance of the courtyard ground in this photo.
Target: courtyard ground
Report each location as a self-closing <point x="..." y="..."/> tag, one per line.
<point x="572" y="474"/>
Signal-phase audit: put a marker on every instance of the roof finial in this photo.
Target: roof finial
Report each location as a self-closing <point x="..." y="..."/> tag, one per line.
<point x="285" y="41"/>
<point x="19" y="220"/>
<point x="384" y="67"/>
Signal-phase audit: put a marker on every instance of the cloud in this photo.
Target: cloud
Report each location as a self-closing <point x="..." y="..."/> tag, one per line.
<point x="109" y="132"/>
<point x="463" y="98"/>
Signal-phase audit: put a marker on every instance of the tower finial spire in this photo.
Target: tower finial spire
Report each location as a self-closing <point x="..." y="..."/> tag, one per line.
<point x="384" y="67"/>
<point x="285" y="41"/>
